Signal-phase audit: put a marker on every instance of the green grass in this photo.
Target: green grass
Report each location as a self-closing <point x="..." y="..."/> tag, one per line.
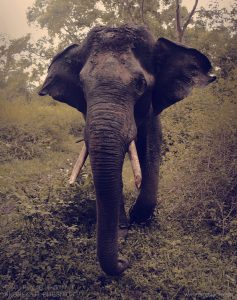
<point x="48" y="242"/>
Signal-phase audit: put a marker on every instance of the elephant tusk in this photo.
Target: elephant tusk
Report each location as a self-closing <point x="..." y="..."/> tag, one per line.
<point x="132" y="151"/>
<point x="79" y="164"/>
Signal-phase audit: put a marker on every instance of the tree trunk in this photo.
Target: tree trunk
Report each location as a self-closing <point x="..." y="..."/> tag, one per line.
<point x="180" y="29"/>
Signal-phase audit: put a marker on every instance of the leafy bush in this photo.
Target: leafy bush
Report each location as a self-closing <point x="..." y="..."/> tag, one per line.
<point x="200" y="165"/>
<point x="52" y="224"/>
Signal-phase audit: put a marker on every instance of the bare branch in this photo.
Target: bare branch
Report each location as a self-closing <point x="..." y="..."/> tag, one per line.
<point x="181" y="29"/>
<point x="190" y="15"/>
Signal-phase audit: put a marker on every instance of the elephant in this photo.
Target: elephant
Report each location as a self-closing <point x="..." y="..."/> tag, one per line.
<point x="121" y="79"/>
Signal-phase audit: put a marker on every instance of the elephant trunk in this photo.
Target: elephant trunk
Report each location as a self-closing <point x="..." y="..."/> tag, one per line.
<point x="107" y="144"/>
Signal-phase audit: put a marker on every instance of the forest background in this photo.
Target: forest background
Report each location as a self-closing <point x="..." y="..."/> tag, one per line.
<point x="48" y="228"/>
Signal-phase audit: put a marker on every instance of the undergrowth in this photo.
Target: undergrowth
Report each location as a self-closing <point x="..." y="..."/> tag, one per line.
<point x="48" y="243"/>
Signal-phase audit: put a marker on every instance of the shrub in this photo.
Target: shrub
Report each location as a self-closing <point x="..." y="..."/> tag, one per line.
<point x="199" y="170"/>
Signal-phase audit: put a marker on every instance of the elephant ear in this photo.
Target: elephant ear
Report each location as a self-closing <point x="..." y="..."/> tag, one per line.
<point x="63" y="82"/>
<point x="177" y="70"/>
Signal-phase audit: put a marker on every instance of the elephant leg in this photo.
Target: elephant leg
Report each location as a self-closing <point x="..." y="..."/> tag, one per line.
<point x="123" y="221"/>
<point x="148" y="147"/>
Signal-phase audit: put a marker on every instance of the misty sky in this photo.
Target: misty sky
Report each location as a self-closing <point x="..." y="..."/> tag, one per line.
<point x="13" y="16"/>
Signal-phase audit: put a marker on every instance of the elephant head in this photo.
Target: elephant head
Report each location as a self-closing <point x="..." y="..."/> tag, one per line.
<point x="118" y="78"/>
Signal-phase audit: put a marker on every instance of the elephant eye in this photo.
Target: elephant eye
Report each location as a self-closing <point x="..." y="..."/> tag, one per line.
<point x="140" y="84"/>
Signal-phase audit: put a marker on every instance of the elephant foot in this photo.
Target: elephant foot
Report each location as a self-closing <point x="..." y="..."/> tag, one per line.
<point x="141" y="213"/>
<point x="122" y="265"/>
<point x="123" y="228"/>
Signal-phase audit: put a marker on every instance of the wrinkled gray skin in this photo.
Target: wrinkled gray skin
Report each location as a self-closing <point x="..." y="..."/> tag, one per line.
<point x="121" y="79"/>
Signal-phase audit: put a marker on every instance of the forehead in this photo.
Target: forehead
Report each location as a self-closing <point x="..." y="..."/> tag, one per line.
<point x="118" y="39"/>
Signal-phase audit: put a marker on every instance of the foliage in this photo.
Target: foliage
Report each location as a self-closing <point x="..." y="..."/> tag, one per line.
<point x="206" y="193"/>
<point x="48" y="228"/>
<point x="74" y="17"/>
<point x="68" y="22"/>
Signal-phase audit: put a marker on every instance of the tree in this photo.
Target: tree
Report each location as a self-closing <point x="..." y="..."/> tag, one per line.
<point x="181" y="28"/>
<point x="69" y="21"/>
<point x="14" y="67"/>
